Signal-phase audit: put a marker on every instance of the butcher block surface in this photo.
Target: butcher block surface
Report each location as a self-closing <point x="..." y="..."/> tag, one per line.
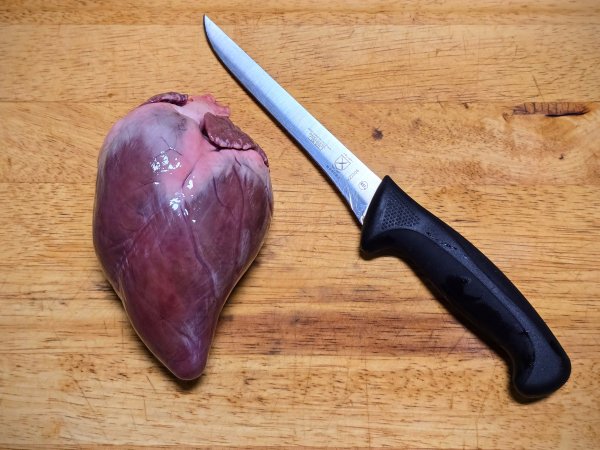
<point x="487" y="112"/>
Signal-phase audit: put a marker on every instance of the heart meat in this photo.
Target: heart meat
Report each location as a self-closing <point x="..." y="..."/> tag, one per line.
<point x="183" y="203"/>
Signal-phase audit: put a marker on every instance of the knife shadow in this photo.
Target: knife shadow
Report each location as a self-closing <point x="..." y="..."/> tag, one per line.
<point x="453" y="311"/>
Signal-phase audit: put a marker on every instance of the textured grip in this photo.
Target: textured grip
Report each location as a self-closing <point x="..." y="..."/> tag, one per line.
<point x="474" y="287"/>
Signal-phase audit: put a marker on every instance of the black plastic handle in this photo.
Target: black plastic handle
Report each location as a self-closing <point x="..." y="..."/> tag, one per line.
<point x="474" y="287"/>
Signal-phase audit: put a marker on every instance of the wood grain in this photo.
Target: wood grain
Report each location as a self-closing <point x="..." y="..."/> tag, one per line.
<point x="317" y="347"/>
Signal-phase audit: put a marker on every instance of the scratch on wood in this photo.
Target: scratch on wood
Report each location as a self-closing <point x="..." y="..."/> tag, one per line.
<point x="441" y="104"/>
<point x="552" y="109"/>
<point x="368" y="403"/>
<point x="538" y="87"/>
<point x="85" y="397"/>
<point x="451" y="350"/>
<point x="149" y="381"/>
<point x="308" y="375"/>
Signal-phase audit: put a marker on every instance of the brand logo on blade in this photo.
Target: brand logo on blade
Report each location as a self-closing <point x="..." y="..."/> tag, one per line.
<point x="342" y="162"/>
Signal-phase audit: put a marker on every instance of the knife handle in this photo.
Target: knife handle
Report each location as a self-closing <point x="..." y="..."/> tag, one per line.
<point x="476" y="290"/>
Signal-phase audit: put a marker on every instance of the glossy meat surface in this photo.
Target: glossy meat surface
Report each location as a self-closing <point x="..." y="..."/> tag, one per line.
<point x="183" y="203"/>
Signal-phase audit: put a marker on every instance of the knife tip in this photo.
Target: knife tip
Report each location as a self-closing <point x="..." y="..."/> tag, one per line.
<point x="209" y="26"/>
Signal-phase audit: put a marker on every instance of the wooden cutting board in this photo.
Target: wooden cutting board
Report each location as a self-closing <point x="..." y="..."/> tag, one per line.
<point x="317" y="346"/>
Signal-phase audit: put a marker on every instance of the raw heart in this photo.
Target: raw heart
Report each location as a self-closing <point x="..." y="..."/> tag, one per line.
<point x="183" y="203"/>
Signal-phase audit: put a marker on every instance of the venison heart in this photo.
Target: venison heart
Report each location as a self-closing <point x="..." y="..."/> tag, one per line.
<point x="183" y="204"/>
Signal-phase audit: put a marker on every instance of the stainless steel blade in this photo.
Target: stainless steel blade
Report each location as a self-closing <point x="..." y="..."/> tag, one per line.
<point x="353" y="179"/>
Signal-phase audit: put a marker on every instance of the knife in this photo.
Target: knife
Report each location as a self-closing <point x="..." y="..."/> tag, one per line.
<point x="392" y="222"/>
